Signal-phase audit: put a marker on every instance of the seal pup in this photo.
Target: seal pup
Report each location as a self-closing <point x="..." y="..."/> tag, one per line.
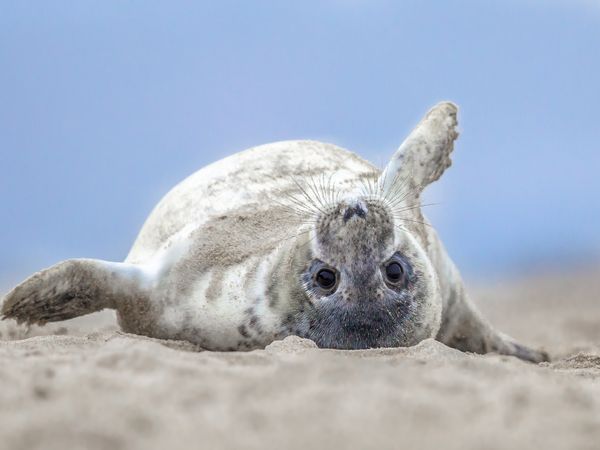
<point x="291" y="238"/>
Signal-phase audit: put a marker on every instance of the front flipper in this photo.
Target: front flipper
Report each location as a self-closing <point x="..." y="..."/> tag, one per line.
<point x="73" y="288"/>
<point x="465" y="329"/>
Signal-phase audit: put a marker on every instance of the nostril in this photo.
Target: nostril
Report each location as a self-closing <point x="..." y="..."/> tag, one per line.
<point x="348" y="214"/>
<point x="360" y="211"/>
<point x="357" y="210"/>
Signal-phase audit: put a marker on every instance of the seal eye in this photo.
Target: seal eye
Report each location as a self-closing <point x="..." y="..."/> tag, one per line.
<point x="325" y="279"/>
<point x="394" y="272"/>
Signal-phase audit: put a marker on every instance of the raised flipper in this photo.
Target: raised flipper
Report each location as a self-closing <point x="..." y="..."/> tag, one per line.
<point x="425" y="154"/>
<point x="73" y="288"/>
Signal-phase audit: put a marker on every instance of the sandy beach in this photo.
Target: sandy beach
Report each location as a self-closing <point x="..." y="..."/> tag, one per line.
<point x="83" y="384"/>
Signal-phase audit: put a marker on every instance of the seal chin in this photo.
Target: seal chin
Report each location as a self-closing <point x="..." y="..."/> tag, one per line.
<point x="359" y="326"/>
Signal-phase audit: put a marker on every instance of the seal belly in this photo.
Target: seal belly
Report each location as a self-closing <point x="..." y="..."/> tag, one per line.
<point x="224" y="308"/>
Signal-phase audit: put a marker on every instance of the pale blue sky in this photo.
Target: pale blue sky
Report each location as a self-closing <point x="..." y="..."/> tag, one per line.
<point x="104" y="105"/>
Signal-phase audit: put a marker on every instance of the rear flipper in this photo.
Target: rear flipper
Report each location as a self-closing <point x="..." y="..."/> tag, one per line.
<point x="72" y="288"/>
<point x="465" y="329"/>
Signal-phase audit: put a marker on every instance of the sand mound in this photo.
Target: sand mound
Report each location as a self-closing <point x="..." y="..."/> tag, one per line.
<point x="110" y="390"/>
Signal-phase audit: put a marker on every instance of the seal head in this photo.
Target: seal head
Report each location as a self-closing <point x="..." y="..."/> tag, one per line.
<point x="367" y="282"/>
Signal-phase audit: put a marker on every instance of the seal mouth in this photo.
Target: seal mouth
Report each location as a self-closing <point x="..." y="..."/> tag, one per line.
<point x="358" y="325"/>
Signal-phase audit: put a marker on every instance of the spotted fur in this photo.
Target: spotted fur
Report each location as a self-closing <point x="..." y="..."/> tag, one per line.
<point x="227" y="260"/>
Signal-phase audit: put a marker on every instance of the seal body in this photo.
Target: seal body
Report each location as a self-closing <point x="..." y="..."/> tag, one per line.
<point x="224" y="242"/>
<point x="291" y="238"/>
<point x="221" y="242"/>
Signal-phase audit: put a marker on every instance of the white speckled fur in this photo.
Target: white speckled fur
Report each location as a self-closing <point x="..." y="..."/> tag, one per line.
<point x="217" y="265"/>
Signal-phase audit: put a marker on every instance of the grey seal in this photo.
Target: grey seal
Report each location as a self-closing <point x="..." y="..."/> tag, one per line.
<point x="291" y="238"/>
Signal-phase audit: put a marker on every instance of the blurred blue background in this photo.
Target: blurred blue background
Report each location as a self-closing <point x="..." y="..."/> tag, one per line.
<point x="105" y="105"/>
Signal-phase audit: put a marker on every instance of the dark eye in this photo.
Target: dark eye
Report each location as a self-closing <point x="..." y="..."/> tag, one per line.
<point x="325" y="279"/>
<point x="394" y="272"/>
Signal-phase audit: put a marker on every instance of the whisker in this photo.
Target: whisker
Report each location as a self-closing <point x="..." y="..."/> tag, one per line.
<point x="293" y="236"/>
<point x="313" y="187"/>
<point x="323" y="190"/>
<point x="401" y="189"/>
<point x="307" y="195"/>
<point x="411" y="207"/>
<point x="364" y="187"/>
<point x="399" y="200"/>
<point x="332" y="189"/>
<point x="404" y="219"/>
<point x="296" y="207"/>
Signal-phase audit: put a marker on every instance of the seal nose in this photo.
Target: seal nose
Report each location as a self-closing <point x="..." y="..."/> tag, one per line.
<point x="355" y="210"/>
